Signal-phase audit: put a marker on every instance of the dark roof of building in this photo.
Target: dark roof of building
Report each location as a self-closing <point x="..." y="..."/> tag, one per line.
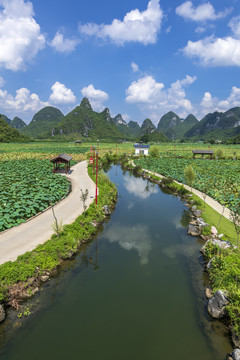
<point x="63" y="156"/>
<point x="203" y="151"/>
<point x="141" y="146"/>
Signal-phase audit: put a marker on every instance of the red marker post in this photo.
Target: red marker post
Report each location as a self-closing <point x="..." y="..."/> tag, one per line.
<point x="96" y="176"/>
<point x="93" y="159"/>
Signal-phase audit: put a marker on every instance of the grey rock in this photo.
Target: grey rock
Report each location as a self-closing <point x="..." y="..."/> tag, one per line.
<point x="217" y="305"/>
<point x="236" y="354"/>
<point x="193" y="230"/>
<point x="197" y="213"/>
<point x="209" y="264"/>
<point x="194" y="208"/>
<point x="235" y="339"/>
<point x="208" y="293"/>
<point x="44" y="278"/>
<point x="201" y="222"/>
<point x="2" y="314"/>
<point x="214" y="231"/>
<point x="221" y="243"/>
<point x="106" y="210"/>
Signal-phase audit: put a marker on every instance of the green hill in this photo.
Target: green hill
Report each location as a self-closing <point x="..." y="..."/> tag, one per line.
<point x="175" y="128"/>
<point x="6" y="119"/>
<point x="83" y="122"/>
<point x="43" y="121"/>
<point x="8" y="134"/>
<point x="147" y="127"/>
<point x="17" y="123"/>
<point x="154" y="136"/>
<point x="217" y="125"/>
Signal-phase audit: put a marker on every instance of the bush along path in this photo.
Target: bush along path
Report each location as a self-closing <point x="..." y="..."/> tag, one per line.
<point x="22" y="278"/>
<point x="222" y="256"/>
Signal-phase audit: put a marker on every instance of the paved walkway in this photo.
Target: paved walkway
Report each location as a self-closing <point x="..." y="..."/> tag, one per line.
<point x="210" y="201"/>
<point x="27" y="236"/>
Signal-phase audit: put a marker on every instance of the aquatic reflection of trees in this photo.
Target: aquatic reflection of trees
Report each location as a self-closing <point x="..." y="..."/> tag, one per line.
<point x="186" y="216"/>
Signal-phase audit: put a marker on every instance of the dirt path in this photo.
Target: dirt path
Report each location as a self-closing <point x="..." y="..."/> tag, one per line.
<point x="27" y="236"/>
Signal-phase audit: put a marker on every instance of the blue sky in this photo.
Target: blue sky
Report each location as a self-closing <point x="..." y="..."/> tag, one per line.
<point x="140" y="58"/>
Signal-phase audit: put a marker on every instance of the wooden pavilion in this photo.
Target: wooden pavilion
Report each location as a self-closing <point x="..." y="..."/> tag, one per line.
<point x="61" y="159"/>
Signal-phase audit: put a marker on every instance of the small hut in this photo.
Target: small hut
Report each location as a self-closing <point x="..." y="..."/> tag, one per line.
<point x="141" y="149"/>
<point x="61" y="159"/>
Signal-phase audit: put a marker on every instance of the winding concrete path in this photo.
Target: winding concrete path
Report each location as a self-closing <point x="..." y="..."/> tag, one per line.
<point x="210" y="201"/>
<point x="27" y="236"/>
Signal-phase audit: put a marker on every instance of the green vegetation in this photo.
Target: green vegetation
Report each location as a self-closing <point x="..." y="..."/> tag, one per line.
<point x="189" y="175"/>
<point x="224" y="274"/>
<point x="26" y="187"/>
<point x="17" y="123"/>
<point x="222" y="176"/>
<point x="48" y="256"/>
<point x="43" y="121"/>
<point x="173" y="127"/>
<point x="216" y="125"/>
<point x="224" y="271"/>
<point x="8" y="134"/>
<point x="83" y="122"/>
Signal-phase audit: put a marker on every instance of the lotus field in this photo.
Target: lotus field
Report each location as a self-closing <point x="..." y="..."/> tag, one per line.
<point x="220" y="179"/>
<point x="27" y="187"/>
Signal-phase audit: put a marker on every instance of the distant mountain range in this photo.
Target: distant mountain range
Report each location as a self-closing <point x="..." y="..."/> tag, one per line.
<point x="43" y="121"/>
<point x="84" y="123"/>
<point x="9" y="134"/>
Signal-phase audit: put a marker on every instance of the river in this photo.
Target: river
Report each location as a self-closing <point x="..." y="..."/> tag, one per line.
<point x="135" y="292"/>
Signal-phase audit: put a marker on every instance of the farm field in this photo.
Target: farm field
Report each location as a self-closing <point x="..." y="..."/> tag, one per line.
<point x="220" y="179"/>
<point x="27" y="182"/>
<point x="47" y="150"/>
<point x="27" y="187"/>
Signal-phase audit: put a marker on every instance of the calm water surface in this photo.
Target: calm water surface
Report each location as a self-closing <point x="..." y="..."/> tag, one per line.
<point x="136" y="292"/>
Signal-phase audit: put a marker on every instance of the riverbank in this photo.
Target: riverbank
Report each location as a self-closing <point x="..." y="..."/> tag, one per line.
<point x="22" y="278"/>
<point x="222" y="260"/>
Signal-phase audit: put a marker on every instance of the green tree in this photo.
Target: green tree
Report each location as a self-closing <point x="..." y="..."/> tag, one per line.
<point x="189" y="175"/>
<point x="154" y="152"/>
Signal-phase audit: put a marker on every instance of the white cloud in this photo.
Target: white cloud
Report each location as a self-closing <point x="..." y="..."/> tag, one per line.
<point x="215" y="51"/>
<point x="145" y="90"/>
<point x="135" y="67"/>
<point x="235" y="26"/>
<point x="152" y="97"/>
<point x="20" y="35"/>
<point x="2" y="82"/>
<point x="136" y="26"/>
<point x="168" y="30"/>
<point x="61" y="94"/>
<point x="63" y="45"/>
<point x="23" y="102"/>
<point x="211" y="104"/>
<point x="201" y="13"/>
<point x="200" y="30"/>
<point x="96" y="97"/>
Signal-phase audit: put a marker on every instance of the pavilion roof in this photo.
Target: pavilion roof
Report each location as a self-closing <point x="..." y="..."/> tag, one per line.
<point x="62" y="156"/>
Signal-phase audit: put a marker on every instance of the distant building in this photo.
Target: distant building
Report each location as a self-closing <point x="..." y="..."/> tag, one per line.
<point x="141" y="149"/>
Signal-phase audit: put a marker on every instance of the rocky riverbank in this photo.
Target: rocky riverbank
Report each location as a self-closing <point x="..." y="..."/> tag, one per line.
<point x="218" y="300"/>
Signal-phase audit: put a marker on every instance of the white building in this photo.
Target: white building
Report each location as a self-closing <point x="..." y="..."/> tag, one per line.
<point x="141" y="149"/>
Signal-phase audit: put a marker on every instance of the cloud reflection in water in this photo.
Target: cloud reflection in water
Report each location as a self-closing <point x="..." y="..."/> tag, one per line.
<point x="131" y="237"/>
<point x="138" y="187"/>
